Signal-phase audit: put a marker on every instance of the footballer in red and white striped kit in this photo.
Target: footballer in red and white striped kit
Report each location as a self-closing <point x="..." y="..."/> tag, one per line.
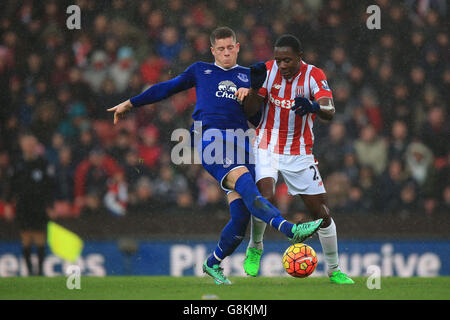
<point x="293" y="95"/>
<point x="281" y="131"/>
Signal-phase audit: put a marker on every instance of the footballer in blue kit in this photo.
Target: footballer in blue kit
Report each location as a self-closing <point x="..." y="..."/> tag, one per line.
<point x="217" y="113"/>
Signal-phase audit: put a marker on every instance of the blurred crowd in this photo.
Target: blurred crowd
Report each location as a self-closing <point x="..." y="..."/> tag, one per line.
<point x="386" y="152"/>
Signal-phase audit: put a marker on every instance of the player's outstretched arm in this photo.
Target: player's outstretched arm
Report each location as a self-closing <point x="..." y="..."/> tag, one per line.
<point x="155" y="93"/>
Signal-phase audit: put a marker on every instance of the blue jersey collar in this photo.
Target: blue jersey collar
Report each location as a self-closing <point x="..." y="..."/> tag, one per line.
<point x="236" y="65"/>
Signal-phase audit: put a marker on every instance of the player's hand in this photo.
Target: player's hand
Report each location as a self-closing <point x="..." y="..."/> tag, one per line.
<point x="258" y="73"/>
<point x="120" y="110"/>
<point x="303" y="106"/>
<point x="241" y="94"/>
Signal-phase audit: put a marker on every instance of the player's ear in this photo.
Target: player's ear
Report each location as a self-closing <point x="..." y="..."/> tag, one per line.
<point x="238" y="46"/>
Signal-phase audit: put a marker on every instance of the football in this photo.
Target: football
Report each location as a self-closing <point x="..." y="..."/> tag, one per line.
<point x="300" y="260"/>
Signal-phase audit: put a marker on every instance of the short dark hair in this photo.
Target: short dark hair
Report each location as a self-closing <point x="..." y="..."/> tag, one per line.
<point x="288" y="40"/>
<point x="221" y="33"/>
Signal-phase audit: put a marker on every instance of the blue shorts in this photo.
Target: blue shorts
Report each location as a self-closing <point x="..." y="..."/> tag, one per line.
<point x="228" y="152"/>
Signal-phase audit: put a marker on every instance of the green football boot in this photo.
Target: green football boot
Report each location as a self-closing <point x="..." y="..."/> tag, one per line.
<point x="216" y="272"/>
<point x="303" y="231"/>
<point x="341" y="278"/>
<point x="252" y="261"/>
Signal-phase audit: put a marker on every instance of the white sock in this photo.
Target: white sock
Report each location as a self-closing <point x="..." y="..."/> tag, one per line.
<point x="328" y="240"/>
<point x="257" y="228"/>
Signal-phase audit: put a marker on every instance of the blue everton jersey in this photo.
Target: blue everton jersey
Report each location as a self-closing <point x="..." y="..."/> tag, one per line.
<point x="217" y="105"/>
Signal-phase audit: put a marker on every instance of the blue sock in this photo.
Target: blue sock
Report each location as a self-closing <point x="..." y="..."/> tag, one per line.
<point x="259" y="206"/>
<point x="232" y="234"/>
<point x="282" y="225"/>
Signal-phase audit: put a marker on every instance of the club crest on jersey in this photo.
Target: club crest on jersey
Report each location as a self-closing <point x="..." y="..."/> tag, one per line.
<point x="227" y="89"/>
<point x="325" y="85"/>
<point x="299" y="91"/>
<point x="243" y="77"/>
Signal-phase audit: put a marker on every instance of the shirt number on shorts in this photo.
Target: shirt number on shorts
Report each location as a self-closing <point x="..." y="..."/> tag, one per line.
<point x="316" y="176"/>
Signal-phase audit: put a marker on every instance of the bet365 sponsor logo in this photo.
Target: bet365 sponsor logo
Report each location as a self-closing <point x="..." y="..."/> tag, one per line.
<point x="280" y="102"/>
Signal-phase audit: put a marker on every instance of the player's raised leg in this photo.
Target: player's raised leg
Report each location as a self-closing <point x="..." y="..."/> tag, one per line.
<point x="230" y="238"/>
<point x="240" y="180"/>
<point x="316" y="205"/>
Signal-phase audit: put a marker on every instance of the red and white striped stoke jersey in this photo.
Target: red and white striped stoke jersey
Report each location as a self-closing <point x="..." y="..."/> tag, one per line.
<point x="280" y="130"/>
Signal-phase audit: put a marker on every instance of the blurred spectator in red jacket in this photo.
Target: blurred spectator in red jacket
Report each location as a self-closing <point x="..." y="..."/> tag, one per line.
<point x="91" y="177"/>
<point x="151" y="68"/>
<point x="149" y="148"/>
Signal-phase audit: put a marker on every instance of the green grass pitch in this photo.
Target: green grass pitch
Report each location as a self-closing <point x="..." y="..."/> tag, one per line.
<point x="243" y="288"/>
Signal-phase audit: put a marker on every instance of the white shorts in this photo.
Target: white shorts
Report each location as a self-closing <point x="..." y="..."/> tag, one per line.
<point x="300" y="172"/>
